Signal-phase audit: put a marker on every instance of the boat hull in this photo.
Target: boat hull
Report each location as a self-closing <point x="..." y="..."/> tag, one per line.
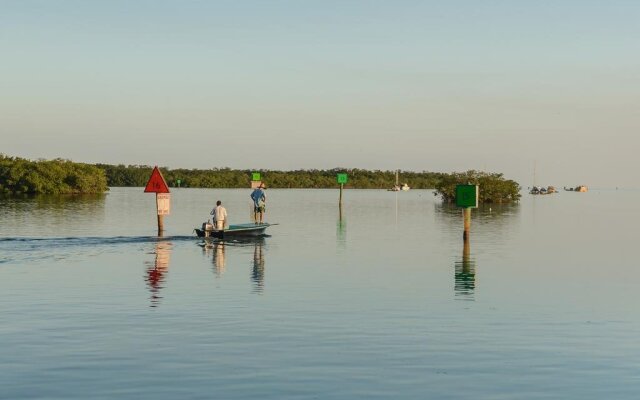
<point x="242" y="230"/>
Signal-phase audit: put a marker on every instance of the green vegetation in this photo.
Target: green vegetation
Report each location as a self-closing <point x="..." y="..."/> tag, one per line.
<point x="138" y="175"/>
<point x="493" y="187"/>
<point x="18" y="175"/>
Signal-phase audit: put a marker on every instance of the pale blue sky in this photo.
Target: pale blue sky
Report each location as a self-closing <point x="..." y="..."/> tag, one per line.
<point x="416" y="85"/>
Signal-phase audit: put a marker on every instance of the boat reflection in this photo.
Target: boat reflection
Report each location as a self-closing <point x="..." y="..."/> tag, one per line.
<point x="217" y="249"/>
<point x="156" y="270"/>
<point x="465" y="274"/>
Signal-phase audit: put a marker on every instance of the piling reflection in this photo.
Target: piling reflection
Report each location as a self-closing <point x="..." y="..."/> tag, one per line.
<point x="156" y="271"/>
<point x="341" y="229"/>
<point x="396" y="209"/>
<point x="465" y="273"/>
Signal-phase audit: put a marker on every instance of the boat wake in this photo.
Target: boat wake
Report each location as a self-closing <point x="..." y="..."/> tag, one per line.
<point x="34" y="249"/>
<point x="79" y="240"/>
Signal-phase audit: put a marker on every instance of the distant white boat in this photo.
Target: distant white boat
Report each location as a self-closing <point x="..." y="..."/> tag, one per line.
<point x="397" y="187"/>
<point x="581" y="188"/>
<point x="543" y="190"/>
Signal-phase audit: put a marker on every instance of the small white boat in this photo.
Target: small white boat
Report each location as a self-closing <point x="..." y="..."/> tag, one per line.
<point x="543" y="190"/>
<point x="580" y="188"/>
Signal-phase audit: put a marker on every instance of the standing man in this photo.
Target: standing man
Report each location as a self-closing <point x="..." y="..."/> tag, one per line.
<point x="259" y="199"/>
<point x="219" y="216"/>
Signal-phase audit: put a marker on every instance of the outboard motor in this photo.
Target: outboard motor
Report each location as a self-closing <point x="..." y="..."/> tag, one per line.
<point x="207" y="227"/>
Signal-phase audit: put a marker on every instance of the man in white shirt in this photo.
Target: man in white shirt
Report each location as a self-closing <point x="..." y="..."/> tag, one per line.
<point x="219" y="216"/>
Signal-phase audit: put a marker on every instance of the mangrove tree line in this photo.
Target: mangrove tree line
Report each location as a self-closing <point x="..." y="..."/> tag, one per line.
<point x="18" y="175"/>
<point x="22" y="176"/>
<point x="137" y="175"/>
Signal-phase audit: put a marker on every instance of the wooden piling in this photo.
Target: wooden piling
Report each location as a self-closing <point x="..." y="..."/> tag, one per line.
<point x="466" y="251"/>
<point x="160" y="220"/>
<point x="160" y="225"/>
<point x="466" y="216"/>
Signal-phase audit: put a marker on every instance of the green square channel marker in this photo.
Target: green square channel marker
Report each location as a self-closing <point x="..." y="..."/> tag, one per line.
<point x="467" y="196"/>
<point x="255" y="176"/>
<point x="342" y="178"/>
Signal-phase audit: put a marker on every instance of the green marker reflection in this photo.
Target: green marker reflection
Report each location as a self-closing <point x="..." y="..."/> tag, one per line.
<point x="341" y="228"/>
<point x="465" y="273"/>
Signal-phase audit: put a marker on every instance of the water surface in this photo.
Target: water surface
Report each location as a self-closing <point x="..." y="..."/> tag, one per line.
<point x="383" y="300"/>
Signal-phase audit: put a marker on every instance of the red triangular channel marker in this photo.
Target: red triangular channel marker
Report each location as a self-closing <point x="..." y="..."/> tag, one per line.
<point x="156" y="183"/>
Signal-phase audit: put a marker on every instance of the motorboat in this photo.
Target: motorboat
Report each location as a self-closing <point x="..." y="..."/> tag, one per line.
<point x="249" y="229"/>
<point x="543" y="190"/>
<point x="580" y="188"/>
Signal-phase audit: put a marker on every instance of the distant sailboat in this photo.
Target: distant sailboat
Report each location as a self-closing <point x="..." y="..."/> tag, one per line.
<point x="397" y="187"/>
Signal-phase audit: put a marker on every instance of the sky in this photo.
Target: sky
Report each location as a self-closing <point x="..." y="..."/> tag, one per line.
<point x="549" y="89"/>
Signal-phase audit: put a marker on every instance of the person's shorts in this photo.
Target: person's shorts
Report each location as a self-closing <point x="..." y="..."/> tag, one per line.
<point x="258" y="209"/>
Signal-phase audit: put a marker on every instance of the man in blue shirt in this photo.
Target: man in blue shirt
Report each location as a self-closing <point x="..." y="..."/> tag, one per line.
<point x="259" y="199"/>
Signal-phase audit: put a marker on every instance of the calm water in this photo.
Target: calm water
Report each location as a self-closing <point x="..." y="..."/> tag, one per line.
<point x="385" y="302"/>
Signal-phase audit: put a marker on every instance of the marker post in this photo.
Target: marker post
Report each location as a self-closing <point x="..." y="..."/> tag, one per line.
<point x="158" y="185"/>
<point x="467" y="198"/>
<point x="342" y="179"/>
<point x="163" y="205"/>
<point x="466" y="217"/>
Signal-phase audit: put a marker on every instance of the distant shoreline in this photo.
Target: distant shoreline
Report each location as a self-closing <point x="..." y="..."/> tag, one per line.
<point x="59" y="176"/>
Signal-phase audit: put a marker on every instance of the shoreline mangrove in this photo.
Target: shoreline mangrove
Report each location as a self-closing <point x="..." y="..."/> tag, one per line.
<point x="59" y="176"/>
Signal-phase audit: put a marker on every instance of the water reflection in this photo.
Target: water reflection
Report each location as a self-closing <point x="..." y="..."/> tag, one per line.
<point x="217" y="249"/>
<point x="257" y="272"/>
<point x="396" y="193"/>
<point x="341" y="229"/>
<point x="494" y="212"/>
<point x="465" y="273"/>
<point x="77" y="210"/>
<point x="56" y="202"/>
<point x="155" y="273"/>
<point x="493" y="223"/>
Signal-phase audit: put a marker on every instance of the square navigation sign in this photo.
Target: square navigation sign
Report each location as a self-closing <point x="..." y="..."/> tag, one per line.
<point x="467" y="196"/>
<point x="255" y="176"/>
<point x="342" y="178"/>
